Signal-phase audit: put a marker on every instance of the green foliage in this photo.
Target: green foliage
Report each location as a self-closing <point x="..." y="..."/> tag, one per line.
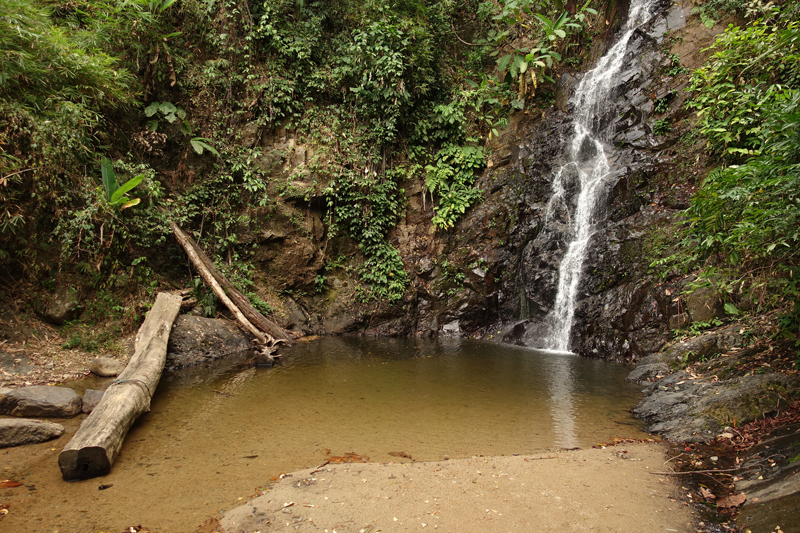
<point x="386" y="93"/>
<point x="712" y="11"/>
<point x="661" y="127"/>
<point x="744" y="222"/>
<point x="751" y="70"/>
<point x="751" y="212"/>
<point x="92" y="231"/>
<point x="550" y="36"/>
<point x="168" y="111"/>
<point x="366" y="207"/>
<point x="115" y="192"/>
<point x="451" y="179"/>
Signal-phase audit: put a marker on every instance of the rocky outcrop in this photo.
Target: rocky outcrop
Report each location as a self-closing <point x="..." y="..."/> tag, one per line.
<point x="194" y="340"/>
<point x="770" y="477"/>
<point x="21" y="431"/>
<point x="687" y="407"/>
<point x="41" y="401"/>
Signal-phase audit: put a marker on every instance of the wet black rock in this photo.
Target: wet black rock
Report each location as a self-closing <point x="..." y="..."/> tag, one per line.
<point x="195" y="339"/>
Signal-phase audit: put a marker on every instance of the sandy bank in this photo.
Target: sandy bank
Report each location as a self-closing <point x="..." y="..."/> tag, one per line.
<point x="598" y="490"/>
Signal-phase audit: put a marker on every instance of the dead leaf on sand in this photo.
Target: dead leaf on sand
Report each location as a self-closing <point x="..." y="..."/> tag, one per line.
<point x="400" y="454"/>
<point x="7" y="484"/>
<point x="707" y="494"/>
<point x="732" y="501"/>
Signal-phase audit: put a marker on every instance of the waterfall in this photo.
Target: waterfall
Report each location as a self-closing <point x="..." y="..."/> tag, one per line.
<point x="587" y="162"/>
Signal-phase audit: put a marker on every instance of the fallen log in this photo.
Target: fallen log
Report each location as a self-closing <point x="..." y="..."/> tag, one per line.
<point x="266" y="332"/>
<point x="96" y="444"/>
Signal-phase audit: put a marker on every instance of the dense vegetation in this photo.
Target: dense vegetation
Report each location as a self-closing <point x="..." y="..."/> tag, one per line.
<point x="744" y="223"/>
<point x="386" y="93"/>
<point x="116" y="116"/>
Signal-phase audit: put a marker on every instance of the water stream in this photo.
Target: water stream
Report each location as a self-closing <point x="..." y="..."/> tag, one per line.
<point x="587" y="164"/>
<point x="215" y="435"/>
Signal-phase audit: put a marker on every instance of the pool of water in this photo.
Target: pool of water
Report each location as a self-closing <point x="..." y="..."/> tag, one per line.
<point x="217" y="434"/>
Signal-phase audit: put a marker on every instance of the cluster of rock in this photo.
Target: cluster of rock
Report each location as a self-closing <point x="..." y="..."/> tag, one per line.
<point x="683" y="406"/>
<point x="29" y="404"/>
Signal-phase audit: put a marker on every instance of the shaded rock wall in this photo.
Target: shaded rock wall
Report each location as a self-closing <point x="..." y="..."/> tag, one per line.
<point x="495" y="274"/>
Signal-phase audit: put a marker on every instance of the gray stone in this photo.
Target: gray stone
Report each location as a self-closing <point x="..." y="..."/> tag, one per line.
<point x="41" y="400"/>
<point x="64" y="307"/>
<point x="196" y="339"/>
<point x="20" y="431"/>
<point x="679" y="321"/>
<point x="699" y="347"/>
<point x="106" y="367"/>
<point x="704" y="305"/>
<point x="683" y="409"/>
<point x="4" y="391"/>
<point x="647" y="372"/>
<point x="90" y="400"/>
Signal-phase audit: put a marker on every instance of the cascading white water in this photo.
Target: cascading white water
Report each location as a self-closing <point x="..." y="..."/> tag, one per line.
<point x="588" y="161"/>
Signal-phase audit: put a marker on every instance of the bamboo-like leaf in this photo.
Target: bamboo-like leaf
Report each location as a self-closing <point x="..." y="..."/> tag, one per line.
<point x="165" y="5"/>
<point x="108" y="177"/>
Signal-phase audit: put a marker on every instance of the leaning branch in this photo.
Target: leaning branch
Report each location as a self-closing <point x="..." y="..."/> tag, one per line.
<point x="210" y="279"/>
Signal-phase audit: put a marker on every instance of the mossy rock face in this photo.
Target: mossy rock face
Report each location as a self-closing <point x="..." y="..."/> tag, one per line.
<point x="747" y="398"/>
<point x="704" y="305"/>
<point x="683" y="409"/>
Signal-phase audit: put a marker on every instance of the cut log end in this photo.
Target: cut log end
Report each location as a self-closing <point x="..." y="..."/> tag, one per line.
<point x="84" y="463"/>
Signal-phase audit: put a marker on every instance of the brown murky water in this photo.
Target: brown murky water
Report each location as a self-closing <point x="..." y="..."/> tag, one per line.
<point x="216" y="435"/>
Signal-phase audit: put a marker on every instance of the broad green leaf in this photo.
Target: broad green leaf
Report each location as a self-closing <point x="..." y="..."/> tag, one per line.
<point x="167" y="107"/>
<point x="731" y="309"/>
<point x="150" y="110"/>
<point x="503" y="62"/>
<point x="125" y="187"/>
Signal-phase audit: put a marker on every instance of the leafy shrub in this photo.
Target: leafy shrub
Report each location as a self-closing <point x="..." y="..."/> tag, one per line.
<point x="750" y="71"/>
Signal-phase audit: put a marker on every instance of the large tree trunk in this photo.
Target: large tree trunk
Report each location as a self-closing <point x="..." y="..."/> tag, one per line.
<point x="95" y="446"/>
<point x="264" y="330"/>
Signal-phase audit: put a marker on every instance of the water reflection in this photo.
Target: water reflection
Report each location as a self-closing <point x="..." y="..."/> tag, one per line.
<point x="561" y="386"/>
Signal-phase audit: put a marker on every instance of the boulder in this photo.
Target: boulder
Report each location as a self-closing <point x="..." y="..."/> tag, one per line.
<point x="704" y="305"/>
<point x="64" y="307"/>
<point x="106" y="367"/>
<point x="679" y="321"/>
<point x="41" y="401"/>
<point x="90" y="400"/>
<point x="196" y="339"/>
<point x="19" y="431"/>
